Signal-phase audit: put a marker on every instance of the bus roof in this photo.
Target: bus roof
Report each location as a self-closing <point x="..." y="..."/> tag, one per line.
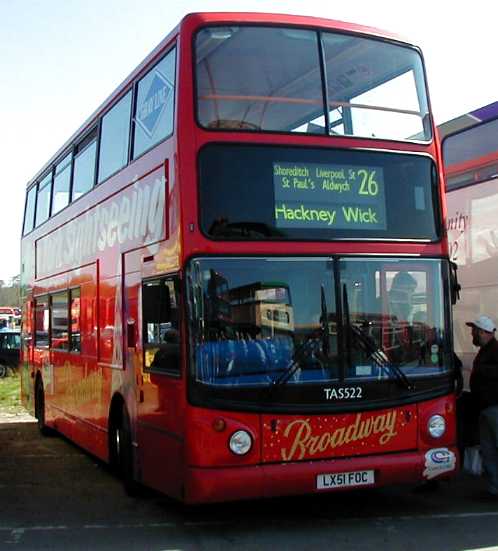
<point x="190" y="22"/>
<point x="464" y="122"/>
<point x="209" y="18"/>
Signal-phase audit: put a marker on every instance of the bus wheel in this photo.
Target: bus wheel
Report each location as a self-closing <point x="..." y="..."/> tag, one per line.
<point x="121" y="451"/>
<point x="3" y="370"/>
<point x="40" y="410"/>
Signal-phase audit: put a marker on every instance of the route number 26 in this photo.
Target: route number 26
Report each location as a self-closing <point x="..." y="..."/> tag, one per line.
<point x="368" y="185"/>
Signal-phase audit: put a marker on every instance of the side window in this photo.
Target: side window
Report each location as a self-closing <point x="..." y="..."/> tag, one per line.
<point x="15" y="341"/>
<point x="59" y="310"/>
<point x="74" y="325"/>
<point x="84" y="166"/>
<point x="155" y="103"/>
<point x="43" y="202"/>
<point x="41" y="321"/>
<point x="114" y="138"/>
<point x="10" y="341"/>
<point x="62" y="181"/>
<point x="29" y="215"/>
<point x="161" y="334"/>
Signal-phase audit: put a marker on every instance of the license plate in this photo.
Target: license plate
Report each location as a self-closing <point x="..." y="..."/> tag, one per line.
<point x="344" y="480"/>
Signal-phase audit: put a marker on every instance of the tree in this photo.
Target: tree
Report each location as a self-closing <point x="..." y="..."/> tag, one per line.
<point x="9" y="294"/>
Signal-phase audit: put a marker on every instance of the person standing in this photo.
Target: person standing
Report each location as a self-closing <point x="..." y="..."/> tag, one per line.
<point x="484" y="389"/>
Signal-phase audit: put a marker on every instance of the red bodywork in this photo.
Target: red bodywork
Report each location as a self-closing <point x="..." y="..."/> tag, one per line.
<point x="177" y="450"/>
<point x="289" y="451"/>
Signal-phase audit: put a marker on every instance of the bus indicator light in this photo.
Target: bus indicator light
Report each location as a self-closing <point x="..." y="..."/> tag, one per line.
<point x="219" y="424"/>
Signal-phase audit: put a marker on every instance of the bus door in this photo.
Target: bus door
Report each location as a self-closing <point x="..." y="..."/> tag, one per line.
<point x="159" y="392"/>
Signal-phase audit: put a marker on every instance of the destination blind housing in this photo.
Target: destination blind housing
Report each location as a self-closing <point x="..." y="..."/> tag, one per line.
<point x="329" y="196"/>
<point x="256" y="192"/>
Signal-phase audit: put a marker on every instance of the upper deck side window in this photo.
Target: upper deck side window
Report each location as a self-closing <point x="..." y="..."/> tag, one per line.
<point x="373" y="88"/>
<point x="471" y="155"/>
<point x="62" y="184"/>
<point x="115" y="138"/>
<point x="29" y="215"/>
<point x="155" y="105"/>
<point x="43" y="199"/>
<point x="84" y="166"/>
<point x="128" y="129"/>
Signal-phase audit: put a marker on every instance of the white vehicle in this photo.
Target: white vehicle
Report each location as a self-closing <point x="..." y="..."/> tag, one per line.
<point x="471" y="167"/>
<point x="10" y="317"/>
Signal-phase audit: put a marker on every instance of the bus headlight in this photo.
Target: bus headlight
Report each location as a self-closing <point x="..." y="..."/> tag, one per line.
<point x="436" y="426"/>
<point x="240" y="442"/>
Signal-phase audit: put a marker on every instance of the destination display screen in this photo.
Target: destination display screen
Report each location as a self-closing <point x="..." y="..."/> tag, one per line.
<point x="253" y="192"/>
<point x="329" y="196"/>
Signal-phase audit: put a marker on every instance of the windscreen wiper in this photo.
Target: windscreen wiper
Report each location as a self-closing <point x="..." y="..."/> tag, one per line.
<point x="379" y="357"/>
<point x="324" y="323"/>
<point x="293" y="365"/>
<point x="370" y="347"/>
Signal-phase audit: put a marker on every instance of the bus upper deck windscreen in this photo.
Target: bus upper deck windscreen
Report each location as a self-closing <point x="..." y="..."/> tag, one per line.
<point x="271" y="79"/>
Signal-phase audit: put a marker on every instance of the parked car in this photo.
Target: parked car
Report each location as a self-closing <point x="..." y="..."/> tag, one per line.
<point x="10" y="345"/>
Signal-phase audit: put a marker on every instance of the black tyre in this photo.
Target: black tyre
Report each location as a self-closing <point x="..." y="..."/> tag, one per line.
<point x="4" y="370"/>
<point x="121" y="451"/>
<point x="40" y="410"/>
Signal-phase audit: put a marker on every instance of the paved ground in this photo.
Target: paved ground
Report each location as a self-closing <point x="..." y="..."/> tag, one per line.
<point x="55" y="497"/>
<point x="18" y="417"/>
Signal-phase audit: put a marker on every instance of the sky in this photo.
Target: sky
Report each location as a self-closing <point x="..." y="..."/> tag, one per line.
<point x="60" y="59"/>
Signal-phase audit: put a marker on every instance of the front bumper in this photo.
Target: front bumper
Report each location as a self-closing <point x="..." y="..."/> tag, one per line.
<point x="204" y="485"/>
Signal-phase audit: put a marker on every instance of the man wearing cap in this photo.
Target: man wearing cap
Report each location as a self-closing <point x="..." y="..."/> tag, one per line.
<point x="484" y="388"/>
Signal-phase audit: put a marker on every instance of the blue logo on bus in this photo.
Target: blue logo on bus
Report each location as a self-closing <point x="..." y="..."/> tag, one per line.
<point x="150" y="110"/>
<point x="440" y="455"/>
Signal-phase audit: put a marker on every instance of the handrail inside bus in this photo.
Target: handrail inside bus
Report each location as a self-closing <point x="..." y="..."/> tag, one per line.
<point x="303" y="101"/>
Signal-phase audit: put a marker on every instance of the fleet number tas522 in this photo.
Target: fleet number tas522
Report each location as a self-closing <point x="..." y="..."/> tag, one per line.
<point x="343" y="393"/>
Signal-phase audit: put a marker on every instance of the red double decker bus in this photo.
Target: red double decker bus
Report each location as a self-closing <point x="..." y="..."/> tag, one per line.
<point x="236" y="278"/>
